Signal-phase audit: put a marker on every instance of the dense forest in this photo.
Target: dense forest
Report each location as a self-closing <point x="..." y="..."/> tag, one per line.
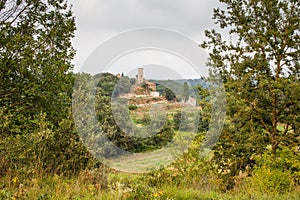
<point x="43" y="153"/>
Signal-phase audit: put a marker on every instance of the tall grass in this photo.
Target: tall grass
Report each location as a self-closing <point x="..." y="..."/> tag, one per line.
<point x="88" y="185"/>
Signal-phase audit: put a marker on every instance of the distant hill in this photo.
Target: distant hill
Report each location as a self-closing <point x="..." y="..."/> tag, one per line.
<point x="177" y="86"/>
<point x="192" y="82"/>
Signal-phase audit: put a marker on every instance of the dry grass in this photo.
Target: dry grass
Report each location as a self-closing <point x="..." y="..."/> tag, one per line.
<point x="143" y="162"/>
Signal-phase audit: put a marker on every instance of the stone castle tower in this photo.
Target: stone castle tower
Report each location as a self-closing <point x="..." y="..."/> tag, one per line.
<point x="140" y="77"/>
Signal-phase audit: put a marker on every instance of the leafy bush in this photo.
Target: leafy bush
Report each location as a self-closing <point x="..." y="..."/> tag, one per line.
<point x="289" y="159"/>
<point x="145" y="120"/>
<point x="276" y="174"/>
<point x="270" y="180"/>
<point x="180" y="120"/>
<point x="132" y="107"/>
<point x="191" y="169"/>
<point x="57" y="151"/>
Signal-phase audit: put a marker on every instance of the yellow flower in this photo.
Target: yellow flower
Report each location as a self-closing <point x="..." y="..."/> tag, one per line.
<point x="91" y="187"/>
<point x="126" y="195"/>
<point x="15" y="180"/>
<point x="158" y="194"/>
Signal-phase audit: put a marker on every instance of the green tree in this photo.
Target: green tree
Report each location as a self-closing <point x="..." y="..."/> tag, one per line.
<point x="35" y="57"/>
<point x="205" y="103"/>
<point x="37" y="131"/>
<point x="169" y="94"/>
<point x="180" y="120"/>
<point x="132" y="81"/>
<point x="185" y="92"/>
<point x="123" y="85"/>
<point x="106" y="84"/>
<point x="260" y="70"/>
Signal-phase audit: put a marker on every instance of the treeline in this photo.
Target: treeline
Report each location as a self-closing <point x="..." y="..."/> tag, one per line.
<point x="177" y="87"/>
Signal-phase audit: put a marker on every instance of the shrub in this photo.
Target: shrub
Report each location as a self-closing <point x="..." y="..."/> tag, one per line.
<point x="96" y="177"/>
<point x="132" y="107"/>
<point x="180" y="120"/>
<point x="45" y="150"/>
<point x="275" y="174"/>
<point x="190" y="169"/>
<point x="270" y="180"/>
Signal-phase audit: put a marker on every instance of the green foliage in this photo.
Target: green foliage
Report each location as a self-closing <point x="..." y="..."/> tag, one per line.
<point x="193" y="169"/>
<point x="106" y="83"/>
<point x="114" y="119"/>
<point x="132" y="81"/>
<point x="169" y="94"/>
<point x="177" y="120"/>
<point x="270" y="180"/>
<point x="45" y="150"/>
<point x="38" y="139"/>
<point x="286" y="160"/>
<point x="123" y="86"/>
<point x="275" y="174"/>
<point x="205" y="103"/>
<point x="185" y="92"/>
<point x="260" y="69"/>
<point x="96" y="176"/>
<point x="177" y="86"/>
<point x="180" y="120"/>
<point x="125" y="186"/>
<point x="140" y="190"/>
<point x="35" y="57"/>
<point x="289" y="159"/>
<point x="36" y="126"/>
<point x="132" y="107"/>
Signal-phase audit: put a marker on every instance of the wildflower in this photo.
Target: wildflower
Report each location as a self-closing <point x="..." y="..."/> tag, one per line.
<point x="15" y="180"/>
<point x="158" y="194"/>
<point x="126" y="195"/>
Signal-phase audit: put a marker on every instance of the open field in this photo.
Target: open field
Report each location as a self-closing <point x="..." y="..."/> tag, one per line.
<point x="142" y="162"/>
<point x="157" y="159"/>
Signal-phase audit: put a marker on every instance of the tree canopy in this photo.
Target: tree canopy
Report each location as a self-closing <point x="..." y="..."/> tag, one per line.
<point x="260" y="69"/>
<point x="37" y="132"/>
<point x="35" y="57"/>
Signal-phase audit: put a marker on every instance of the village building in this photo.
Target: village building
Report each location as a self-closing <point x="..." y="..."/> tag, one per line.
<point x="142" y="87"/>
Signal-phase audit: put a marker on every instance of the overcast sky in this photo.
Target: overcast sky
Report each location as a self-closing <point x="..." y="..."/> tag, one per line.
<point x="99" y="20"/>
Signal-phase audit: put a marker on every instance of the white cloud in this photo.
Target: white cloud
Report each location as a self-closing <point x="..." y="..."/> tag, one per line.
<point x="99" y="20"/>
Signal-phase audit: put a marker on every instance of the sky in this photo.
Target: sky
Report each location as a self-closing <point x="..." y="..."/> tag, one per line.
<point x="104" y="21"/>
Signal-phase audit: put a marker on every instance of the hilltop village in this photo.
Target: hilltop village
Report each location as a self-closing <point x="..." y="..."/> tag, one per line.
<point x="141" y="88"/>
<point x="144" y="89"/>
